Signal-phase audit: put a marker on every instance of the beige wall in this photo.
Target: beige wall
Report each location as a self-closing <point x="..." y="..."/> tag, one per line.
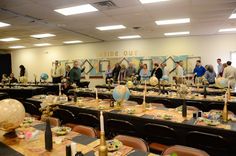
<point x="38" y="60"/>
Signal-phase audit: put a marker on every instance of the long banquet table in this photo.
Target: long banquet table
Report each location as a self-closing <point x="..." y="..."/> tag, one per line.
<point x="87" y="145"/>
<point x="170" y="101"/>
<point x="181" y="126"/>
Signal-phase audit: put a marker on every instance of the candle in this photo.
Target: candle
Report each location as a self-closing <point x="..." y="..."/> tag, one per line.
<point x="73" y="146"/>
<point x="59" y="89"/>
<point x="228" y="84"/>
<point x="96" y="90"/>
<point x="101" y="122"/>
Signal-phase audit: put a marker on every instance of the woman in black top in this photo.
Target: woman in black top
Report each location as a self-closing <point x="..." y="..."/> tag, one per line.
<point x="22" y="70"/>
<point x="157" y="71"/>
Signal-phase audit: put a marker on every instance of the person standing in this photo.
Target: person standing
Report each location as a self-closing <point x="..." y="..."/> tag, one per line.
<point x="145" y="73"/>
<point x="122" y="73"/>
<point x="157" y="71"/>
<point x="230" y="74"/>
<point x="75" y="73"/>
<point x="22" y="70"/>
<point x="210" y="74"/>
<point x="179" y="72"/>
<point x="108" y="72"/>
<point x="139" y="70"/>
<point x="199" y="70"/>
<point x="219" y="68"/>
<point x="116" y="71"/>
<point x="67" y="73"/>
<point x="56" y="72"/>
<point x="131" y="71"/>
<point x="164" y="70"/>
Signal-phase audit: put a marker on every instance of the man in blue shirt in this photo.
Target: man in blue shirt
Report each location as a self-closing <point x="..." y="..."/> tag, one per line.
<point x="199" y="70"/>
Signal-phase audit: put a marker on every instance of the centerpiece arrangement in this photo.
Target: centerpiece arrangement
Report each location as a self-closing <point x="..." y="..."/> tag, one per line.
<point x="182" y="92"/>
<point x="120" y="94"/>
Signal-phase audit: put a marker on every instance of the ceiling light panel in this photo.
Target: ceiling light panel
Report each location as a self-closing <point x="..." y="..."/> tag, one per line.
<point x="173" y="21"/>
<point x="42" y="44"/>
<point x="111" y="27"/>
<point x="129" y="37"/>
<point x="72" y="42"/>
<point x="42" y="35"/>
<point x="2" y="24"/>
<point x="10" y="39"/>
<point x="227" y="30"/>
<point x="177" y="33"/>
<point x="16" y="47"/>
<point x="76" y="10"/>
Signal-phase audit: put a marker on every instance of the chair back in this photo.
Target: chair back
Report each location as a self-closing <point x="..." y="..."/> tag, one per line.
<point x="184" y="151"/>
<point x="32" y="109"/>
<point x="197" y="104"/>
<point x="117" y="127"/>
<point x="211" y="143"/>
<point x="64" y="115"/>
<point x="87" y="120"/>
<point x="85" y="130"/>
<point x="160" y="134"/>
<point x="136" y="143"/>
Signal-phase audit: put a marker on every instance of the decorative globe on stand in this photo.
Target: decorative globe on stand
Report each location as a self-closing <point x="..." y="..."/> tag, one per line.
<point x="129" y="84"/>
<point x="120" y="94"/>
<point x="153" y="81"/>
<point x="44" y="76"/>
<point x="221" y="82"/>
<point x="12" y="114"/>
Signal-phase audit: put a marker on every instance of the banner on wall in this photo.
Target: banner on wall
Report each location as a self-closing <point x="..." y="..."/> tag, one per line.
<point x="97" y="67"/>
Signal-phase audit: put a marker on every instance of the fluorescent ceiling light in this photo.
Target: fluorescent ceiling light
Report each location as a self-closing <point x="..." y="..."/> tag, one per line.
<point x="232" y="16"/>
<point x="9" y="39"/>
<point x="72" y="42"/>
<point x="76" y="10"/>
<point x="129" y="37"/>
<point x="173" y="21"/>
<point x="42" y="35"/>
<point x="177" y="33"/>
<point x="42" y="44"/>
<point x="111" y="27"/>
<point x="151" y="1"/>
<point x="17" y="47"/>
<point x="227" y="30"/>
<point x="4" y="24"/>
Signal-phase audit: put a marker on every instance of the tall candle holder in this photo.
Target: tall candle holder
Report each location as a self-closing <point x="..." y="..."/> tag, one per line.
<point x="102" y="147"/>
<point x="225" y="109"/>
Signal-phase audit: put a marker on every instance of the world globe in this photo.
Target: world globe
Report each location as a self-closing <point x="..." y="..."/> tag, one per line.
<point x="153" y="81"/>
<point x="221" y="82"/>
<point x="44" y="76"/>
<point x="12" y="114"/>
<point x="129" y="84"/>
<point x="121" y="93"/>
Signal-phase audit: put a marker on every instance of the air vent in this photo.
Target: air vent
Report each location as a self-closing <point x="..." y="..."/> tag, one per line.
<point x="105" y="5"/>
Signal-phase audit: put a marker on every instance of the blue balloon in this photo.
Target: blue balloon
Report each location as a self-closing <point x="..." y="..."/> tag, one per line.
<point x="44" y="76"/>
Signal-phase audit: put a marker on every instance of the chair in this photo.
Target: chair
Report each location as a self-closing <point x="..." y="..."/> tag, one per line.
<point x="32" y="109"/>
<point x="184" y="151"/>
<point x="192" y="108"/>
<point x="117" y="127"/>
<point x="53" y="121"/>
<point x="136" y="143"/>
<point x="87" y="120"/>
<point x="168" y="103"/>
<point x="158" y="105"/>
<point x="197" y="104"/>
<point x="160" y="137"/>
<point x="213" y="144"/>
<point x="66" y="117"/>
<point x="85" y="130"/>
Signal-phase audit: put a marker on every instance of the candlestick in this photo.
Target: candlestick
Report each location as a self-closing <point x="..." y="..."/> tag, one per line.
<point x="102" y="148"/>
<point x="96" y="90"/>
<point x="59" y="89"/>
<point x="101" y="122"/>
<point x="225" y="109"/>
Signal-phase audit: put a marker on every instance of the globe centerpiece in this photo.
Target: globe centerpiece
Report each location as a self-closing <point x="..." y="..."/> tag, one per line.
<point x="129" y="84"/>
<point x="12" y="113"/>
<point x="153" y="81"/>
<point x="120" y="94"/>
<point x="221" y="82"/>
<point x="44" y="76"/>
